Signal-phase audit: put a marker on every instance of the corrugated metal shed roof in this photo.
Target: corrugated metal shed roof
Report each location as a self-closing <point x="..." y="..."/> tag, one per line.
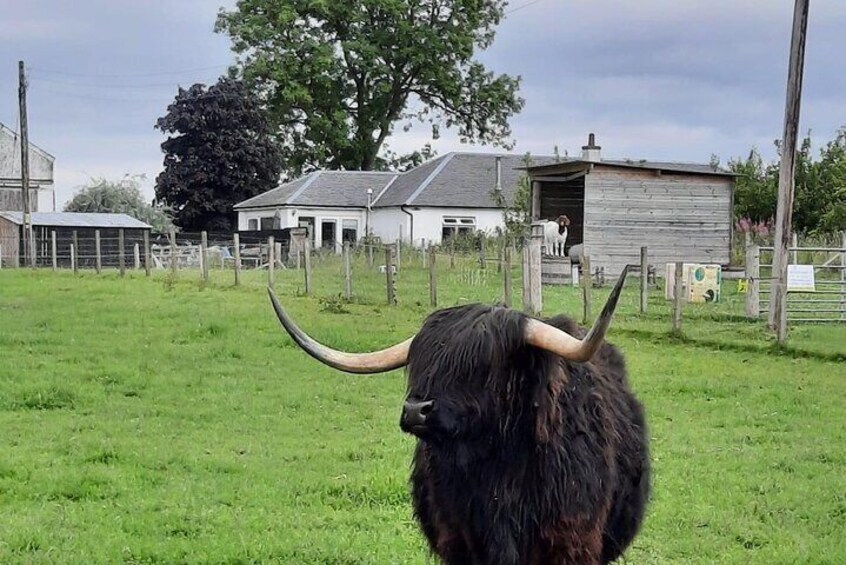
<point x="695" y="168"/>
<point x="343" y="189"/>
<point x="78" y="220"/>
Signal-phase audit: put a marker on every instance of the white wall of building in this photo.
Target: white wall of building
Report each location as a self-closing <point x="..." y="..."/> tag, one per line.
<point x="46" y="200"/>
<point x="429" y="222"/>
<point x="290" y="217"/>
<point x="387" y="223"/>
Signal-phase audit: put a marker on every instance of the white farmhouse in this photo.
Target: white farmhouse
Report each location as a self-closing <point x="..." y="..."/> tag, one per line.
<point x="452" y="194"/>
<point x="42" y="195"/>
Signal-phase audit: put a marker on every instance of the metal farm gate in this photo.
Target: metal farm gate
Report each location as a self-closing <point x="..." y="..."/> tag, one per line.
<point x="816" y="283"/>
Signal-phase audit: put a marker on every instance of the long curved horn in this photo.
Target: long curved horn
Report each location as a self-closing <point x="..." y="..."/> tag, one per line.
<point x="359" y="363"/>
<point x="561" y="343"/>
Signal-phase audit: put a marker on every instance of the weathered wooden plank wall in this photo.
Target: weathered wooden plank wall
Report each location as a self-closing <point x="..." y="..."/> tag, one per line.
<point x="679" y="217"/>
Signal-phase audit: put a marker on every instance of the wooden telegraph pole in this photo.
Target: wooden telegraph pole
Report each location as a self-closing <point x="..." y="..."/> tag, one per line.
<point x="786" y="181"/>
<point x="28" y="247"/>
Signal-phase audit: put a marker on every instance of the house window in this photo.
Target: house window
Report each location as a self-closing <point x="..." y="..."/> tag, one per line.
<point x="457" y="225"/>
<point x="349" y="231"/>
<point x="268" y="223"/>
<point x="252" y="224"/>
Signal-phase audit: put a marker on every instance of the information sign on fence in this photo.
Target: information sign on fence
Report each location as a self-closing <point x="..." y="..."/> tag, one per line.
<point x="800" y="278"/>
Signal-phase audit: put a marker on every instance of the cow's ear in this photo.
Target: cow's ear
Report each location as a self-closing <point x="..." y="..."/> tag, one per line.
<point x="547" y="407"/>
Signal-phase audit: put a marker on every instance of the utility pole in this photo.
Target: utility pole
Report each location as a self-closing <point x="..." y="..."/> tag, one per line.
<point x="786" y="179"/>
<point x="28" y="247"/>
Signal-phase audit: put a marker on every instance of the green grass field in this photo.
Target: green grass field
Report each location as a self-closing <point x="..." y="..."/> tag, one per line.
<point x="165" y="421"/>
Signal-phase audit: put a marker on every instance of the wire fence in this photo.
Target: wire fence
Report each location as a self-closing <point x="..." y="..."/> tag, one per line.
<point x="376" y="273"/>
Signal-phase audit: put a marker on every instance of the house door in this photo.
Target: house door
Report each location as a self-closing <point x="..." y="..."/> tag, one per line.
<point x="327" y="234"/>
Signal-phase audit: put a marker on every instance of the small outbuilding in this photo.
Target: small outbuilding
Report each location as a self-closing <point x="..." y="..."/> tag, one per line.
<point x="679" y="211"/>
<point x="65" y="224"/>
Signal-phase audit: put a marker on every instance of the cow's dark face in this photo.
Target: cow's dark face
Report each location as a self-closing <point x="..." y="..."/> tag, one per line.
<point x="463" y="380"/>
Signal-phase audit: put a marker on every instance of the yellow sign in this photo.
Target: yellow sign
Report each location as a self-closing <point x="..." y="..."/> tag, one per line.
<point x="743" y="286"/>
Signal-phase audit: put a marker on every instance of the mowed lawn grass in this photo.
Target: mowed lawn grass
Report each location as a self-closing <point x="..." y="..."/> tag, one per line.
<point x="164" y="421"/>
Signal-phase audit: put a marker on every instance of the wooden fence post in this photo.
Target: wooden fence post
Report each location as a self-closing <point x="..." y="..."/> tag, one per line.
<point x="677" y="297"/>
<point x="526" y="282"/>
<point x="307" y="265"/>
<point x="347" y="271"/>
<point x="644" y="281"/>
<point x="236" y="243"/>
<point x="506" y="277"/>
<point x="75" y="254"/>
<point x="452" y="252"/>
<point x="204" y="255"/>
<point x="587" y="283"/>
<point x="482" y="251"/>
<point x="53" y="248"/>
<point x="535" y="263"/>
<point x="173" y="266"/>
<point x="73" y="257"/>
<point x="389" y="275"/>
<point x="147" y="253"/>
<point x="136" y="256"/>
<point x="753" y="276"/>
<point x="121" y="252"/>
<point x="795" y="241"/>
<point x="271" y="263"/>
<point x="98" y="253"/>
<point x="433" y="279"/>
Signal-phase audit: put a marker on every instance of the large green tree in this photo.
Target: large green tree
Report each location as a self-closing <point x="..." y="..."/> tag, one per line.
<point x="820" y="191"/>
<point x="339" y="76"/>
<point x="122" y="196"/>
<point x="220" y="151"/>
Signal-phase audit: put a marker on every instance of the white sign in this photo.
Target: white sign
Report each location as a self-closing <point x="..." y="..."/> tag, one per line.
<point x="800" y="278"/>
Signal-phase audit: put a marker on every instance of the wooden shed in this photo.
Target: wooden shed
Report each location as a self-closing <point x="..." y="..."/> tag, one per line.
<point x="86" y="225"/>
<point x="679" y="211"/>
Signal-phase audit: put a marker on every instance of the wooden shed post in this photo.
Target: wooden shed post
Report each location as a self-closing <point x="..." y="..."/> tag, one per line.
<point x="753" y="276"/>
<point x="98" y="253"/>
<point x="73" y="257"/>
<point x="536" y="200"/>
<point x="121" y="252"/>
<point x="236" y="243"/>
<point x="136" y="256"/>
<point x="53" y="249"/>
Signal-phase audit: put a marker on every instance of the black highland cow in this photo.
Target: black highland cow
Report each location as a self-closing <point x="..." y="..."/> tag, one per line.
<point x="531" y="447"/>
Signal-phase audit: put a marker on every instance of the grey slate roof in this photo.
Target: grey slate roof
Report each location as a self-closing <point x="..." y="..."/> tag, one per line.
<point x="464" y="180"/>
<point x="78" y="220"/>
<point x="343" y="189"/>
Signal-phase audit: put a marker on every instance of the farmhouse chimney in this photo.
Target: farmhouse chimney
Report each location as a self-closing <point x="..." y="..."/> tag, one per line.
<point x="498" y="186"/>
<point x="590" y="152"/>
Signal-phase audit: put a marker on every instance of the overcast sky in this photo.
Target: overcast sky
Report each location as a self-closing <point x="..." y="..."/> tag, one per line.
<point x="655" y="79"/>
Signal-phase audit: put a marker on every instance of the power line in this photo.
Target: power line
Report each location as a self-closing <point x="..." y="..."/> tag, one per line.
<point x="103" y="85"/>
<point x="521" y="6"/>
<point x="127" y="75"/>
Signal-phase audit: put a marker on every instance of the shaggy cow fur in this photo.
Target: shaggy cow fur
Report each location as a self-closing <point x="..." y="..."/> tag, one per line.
<point x="526" y="458"/>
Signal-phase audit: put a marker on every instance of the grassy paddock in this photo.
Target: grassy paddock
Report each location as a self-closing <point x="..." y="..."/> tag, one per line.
<point x="163" y="421"/>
